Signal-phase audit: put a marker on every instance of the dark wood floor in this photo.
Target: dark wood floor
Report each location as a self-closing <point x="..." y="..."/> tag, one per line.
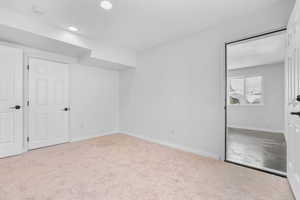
<point x="257" y="149"/>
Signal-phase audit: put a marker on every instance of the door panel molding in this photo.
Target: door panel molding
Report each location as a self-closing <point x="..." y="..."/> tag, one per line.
<point x="292" y="69"/>
<point x="48" y="95"/>
<point x="11" y="101"/>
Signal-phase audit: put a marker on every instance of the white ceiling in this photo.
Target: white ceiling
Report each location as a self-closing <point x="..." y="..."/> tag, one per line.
<point x="137" y="24"/>
<point x="256" y="52"/>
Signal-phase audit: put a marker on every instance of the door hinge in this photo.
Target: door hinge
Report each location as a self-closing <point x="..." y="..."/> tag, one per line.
<point x="27" y="67"/>
<point x="27" y="103"/>
<point x="27" y="139"/>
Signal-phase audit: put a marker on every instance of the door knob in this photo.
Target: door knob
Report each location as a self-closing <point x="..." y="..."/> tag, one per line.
<point x="17" y="107"/>
<point x="298" y="98"/>
<point x="66" y="109"/>
<point x="295" y="113"/>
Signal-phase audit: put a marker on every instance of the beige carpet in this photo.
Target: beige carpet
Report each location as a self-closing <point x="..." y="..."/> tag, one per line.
<point x="120" y="167"/>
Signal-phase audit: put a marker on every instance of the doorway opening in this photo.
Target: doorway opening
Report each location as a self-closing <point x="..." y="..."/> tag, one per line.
<point x="255" y="102"/>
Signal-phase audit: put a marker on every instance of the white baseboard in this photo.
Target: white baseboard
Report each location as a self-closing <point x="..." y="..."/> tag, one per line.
<point x="86" y="137"/>
<point x="176" y="146"/>
<point x="256" y="129"/>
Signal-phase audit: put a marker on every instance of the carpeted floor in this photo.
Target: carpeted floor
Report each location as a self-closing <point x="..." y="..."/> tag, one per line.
<point x="120" y="167"/>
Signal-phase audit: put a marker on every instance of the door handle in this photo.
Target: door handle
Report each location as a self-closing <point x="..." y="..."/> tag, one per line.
<point x="295" y="113"/>
<point x="298" y="98"/>
<point x="66" y="109"/>
<point x="17" y="107"/>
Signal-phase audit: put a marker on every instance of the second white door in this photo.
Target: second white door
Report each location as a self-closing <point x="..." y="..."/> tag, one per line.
<point x="293" y="101"/>
<point x="11" y="101"/>
<point x="49" y="103"/>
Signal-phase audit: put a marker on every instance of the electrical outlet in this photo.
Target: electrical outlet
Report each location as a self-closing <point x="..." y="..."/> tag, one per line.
<point x="82" y="125"/>
<point x="172" y="132"/>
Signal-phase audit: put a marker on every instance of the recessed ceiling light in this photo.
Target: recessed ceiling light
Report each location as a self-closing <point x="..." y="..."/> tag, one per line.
<point x="72" y="28"/>
<point x="106" y="5"/>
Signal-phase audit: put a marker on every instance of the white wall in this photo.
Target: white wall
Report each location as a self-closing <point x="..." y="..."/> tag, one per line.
<point x="176" y="95"/>
<point x="94" y="101"/>
<point x="270" y="115"/>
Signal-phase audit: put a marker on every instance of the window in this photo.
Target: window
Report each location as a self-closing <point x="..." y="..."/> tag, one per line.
<point x="245" y="91"/>
<point x="236" y="91"/>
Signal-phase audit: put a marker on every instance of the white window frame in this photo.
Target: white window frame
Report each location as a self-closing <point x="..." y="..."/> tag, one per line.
<point x="245" y="91"/>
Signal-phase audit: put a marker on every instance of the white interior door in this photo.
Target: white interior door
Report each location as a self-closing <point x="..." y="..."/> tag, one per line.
<point x="49" y="103"/>
<point x="293" y="103"/>
<point x="11" y="100"/>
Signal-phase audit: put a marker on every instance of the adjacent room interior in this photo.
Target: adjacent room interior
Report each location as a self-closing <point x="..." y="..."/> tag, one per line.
<point x="255" y="102"/>
<point x="124" y="99"/>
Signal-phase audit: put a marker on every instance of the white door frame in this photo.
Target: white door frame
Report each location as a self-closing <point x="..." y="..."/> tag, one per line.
<point x="27" y="57"/>
<point x="40" y="54"/>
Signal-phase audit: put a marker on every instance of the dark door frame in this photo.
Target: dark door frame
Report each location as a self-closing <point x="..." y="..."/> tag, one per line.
<point x="226" y="95"/>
